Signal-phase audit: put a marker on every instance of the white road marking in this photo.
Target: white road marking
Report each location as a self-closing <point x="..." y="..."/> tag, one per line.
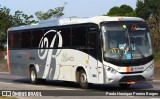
<point x="156" y="81"/>
<point x="32" y="85"/>
<point x="54" y="88"/>
<point x="5" y="83"/>
<point x="65" y="89"/>
<point x="22" y="84"/>
<point x="4" y="72"/>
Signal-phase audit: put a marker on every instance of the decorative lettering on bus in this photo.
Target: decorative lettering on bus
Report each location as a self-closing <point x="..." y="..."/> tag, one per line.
<point x="48" y="54"/>
<point x="66" y="58"/>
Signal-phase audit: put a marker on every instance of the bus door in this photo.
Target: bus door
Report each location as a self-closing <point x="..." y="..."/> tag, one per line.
<point x="92" y="50"/>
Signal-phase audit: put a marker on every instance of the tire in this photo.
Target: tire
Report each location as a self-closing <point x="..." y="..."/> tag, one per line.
<point x="33" y="75"/>
<point x="125" y="86"/>
<point x="83" y="80"/>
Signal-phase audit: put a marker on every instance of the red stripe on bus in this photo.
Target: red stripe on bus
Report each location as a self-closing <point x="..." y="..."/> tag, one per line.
<point x="9" y="67"/>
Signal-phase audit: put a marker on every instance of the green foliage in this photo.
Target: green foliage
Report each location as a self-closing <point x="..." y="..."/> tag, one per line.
<point x="157" y="56"/>
<point x="126" y="9"/>
<point x="123" y="10"/>
<point x="150" y="11"/>
<point x="131" y="14"/>
<point x="51" y="13"/>
<point x="142" y="10"/>
<point x="115" y="11"/>
<point x="5" y="17"/>
<point x="19" y="18"/>
<point x="146" y="8"/>
<point x="5" y="23"/>
<point x="7" y="20"/>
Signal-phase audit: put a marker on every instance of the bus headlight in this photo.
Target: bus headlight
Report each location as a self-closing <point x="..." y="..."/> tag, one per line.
<point x="111" y="70"/>
<point x="149" y="67"/>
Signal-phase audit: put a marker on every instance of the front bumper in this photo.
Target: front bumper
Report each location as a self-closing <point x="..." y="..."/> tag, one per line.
<point x="131" y="77"/>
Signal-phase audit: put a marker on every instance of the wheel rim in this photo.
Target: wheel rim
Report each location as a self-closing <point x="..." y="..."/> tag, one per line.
<point x="33" y="75"/>
<point x="83" y="78"/>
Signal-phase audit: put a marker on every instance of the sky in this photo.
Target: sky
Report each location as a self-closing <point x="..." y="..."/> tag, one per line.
<point x="79" y="8"/>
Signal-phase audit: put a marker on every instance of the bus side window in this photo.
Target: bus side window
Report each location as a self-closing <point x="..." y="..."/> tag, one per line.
<point x="79" y="36"/>
<point x="50" y="37"/>
<point x="92" y="44"/>
<point x="66" y="39"/>
<point x="36" y="37"/>
<point x="26" y="39"/>
<point x="15" y="40"/>
<point x="11" y="40"/>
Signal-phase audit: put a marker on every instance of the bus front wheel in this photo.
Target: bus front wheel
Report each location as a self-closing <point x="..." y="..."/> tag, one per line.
<point x="83" y="80"/>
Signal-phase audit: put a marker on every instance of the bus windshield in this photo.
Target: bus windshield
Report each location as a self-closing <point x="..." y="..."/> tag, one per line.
<point x="126" y="41"/>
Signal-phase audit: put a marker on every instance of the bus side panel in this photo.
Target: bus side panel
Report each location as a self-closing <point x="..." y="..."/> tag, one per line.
<point x="21" y="60"/>
<point x="60" y="67"/>
<point x="69" y="60"/>
<point x="18" y="63"/>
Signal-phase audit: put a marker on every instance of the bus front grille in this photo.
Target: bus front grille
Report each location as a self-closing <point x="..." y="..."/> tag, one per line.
<point x="132" y="78"/>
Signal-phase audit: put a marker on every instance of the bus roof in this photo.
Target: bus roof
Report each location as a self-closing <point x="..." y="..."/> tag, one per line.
<point x="74" y="20"/>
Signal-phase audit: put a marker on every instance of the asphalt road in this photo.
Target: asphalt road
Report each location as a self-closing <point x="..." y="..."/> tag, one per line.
<point x="70" y="90"/>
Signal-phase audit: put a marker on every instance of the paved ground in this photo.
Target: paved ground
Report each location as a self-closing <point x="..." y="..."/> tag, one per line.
<point x="61" y="90"/>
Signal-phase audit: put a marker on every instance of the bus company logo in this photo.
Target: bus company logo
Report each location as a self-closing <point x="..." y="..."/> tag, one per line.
<point x="135" y="27"/>
<point x="66" y="58"/>
<point x="132" y="69"/>
<point x="43" y="52"/>
<point x="46" y="51"/>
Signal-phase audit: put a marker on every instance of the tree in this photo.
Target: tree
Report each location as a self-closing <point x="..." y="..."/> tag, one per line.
<point x="7" y="20"/>
<point x="115" y="11"/>
<point x="142" y="10"/>
<point x="19" y="18"/>
<point x="51" y="13"/>
<point x="150" y="11"/>
<point x="5" y="23"/>
<point x="123" y="10"/>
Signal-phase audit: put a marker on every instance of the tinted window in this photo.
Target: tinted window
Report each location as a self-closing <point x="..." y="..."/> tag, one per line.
<point x="36" y="37"/>
<point x="14" y="40"/>
<point x="66" y="39"/>
<point x="26" y="39"/>
<point x="92" y="44"/>
<point x="79" y="36"/>
<point x="11" y="40"/>
<point x="50" y="34"/>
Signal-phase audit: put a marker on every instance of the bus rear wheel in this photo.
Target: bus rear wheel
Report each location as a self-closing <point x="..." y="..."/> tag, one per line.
<point x="83" y="80"/>
<point x="33" y="75"/>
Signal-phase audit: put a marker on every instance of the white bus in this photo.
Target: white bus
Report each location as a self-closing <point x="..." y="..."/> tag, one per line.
<point x="97" y="50"/>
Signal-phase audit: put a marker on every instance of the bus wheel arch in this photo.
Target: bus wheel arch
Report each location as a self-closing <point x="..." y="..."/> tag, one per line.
<point x="33" y="70"/>
<point x="78" y="73"/>
<point x="81" y="78"/>
<point x="33" y="74"/>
